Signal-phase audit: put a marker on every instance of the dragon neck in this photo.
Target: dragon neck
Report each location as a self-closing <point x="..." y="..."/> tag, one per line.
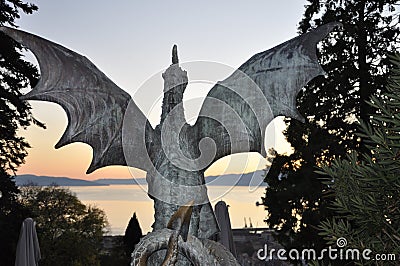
<point x="175" y="82"/>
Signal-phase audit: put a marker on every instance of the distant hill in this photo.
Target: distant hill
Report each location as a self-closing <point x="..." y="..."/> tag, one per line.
<point x="121" y="181"/>
<point x="21" y="180"/>
<point x="249" y="179"/>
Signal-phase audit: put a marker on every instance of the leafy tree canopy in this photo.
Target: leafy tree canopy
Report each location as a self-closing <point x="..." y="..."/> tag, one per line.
<point x="69" y="232"/>
<point x="367" y="185"/>
<point x="15" y="74"/>
<point x="354" y="59"/>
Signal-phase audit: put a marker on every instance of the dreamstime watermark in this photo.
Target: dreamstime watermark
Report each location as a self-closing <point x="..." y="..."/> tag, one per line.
<point x="340" y="252"/>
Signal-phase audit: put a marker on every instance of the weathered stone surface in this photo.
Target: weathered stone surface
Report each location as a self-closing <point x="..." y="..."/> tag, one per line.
<point x="175" y="155"/>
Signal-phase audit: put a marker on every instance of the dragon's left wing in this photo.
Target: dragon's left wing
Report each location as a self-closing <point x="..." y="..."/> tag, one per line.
<point x="95" y="106"/>
<point x="236" y="111"/>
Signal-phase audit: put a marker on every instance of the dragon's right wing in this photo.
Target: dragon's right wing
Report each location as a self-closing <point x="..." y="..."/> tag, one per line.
<point x="95" y="106"/>
<point x="237" y="110"/>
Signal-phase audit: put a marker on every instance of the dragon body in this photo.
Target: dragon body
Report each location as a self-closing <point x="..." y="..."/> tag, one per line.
<point x="233" y="119"/>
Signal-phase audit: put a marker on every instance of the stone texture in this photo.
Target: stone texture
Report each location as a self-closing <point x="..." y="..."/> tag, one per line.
<point x="175" y="155"/>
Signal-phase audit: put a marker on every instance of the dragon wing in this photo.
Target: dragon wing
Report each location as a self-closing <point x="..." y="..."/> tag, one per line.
<point x="95" y="106"/>
<point x="236" y="111"/>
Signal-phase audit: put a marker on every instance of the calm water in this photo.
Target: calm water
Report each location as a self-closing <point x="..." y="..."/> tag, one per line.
<point x="120" y="201"/>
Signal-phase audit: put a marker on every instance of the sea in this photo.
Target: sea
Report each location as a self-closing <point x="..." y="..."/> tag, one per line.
<point x="119" y="202"/>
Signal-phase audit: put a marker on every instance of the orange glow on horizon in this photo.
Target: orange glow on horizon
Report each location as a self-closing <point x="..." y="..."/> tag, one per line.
<point x="74" y="159"/>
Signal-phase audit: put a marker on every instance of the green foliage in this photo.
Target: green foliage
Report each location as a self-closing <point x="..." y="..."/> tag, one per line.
<point x="123" y="246"/>
<point x="12" y="214"/>
<point x="367" y="185"/>
<point x="116" y="255"/>
<point x="69" y="232"/>
<point x="353" y="58"/>
<point x="15" y="74"/>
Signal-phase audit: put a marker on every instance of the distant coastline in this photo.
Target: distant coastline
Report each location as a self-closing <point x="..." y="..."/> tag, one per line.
<point x="249" y="179"/>
<point x="23" y="180"/>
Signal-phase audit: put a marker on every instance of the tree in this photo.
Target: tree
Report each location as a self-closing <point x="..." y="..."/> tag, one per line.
<point x="367" y="185"/>
<point x="353" y="58"/>
<point x="132" y="236"/>
<point x="15" y="74"/>
<point x="69" y="232"/>
<point x="123" y="246"/>
<point x="12" y="214"/>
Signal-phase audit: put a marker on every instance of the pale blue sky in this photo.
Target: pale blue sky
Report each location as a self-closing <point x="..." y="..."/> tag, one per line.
<point x="131" y="41"/>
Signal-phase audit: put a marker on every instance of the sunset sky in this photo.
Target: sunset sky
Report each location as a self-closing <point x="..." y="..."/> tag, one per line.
<point x="131" y="43"/>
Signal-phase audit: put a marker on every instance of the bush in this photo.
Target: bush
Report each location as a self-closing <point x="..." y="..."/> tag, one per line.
<point x="69" y="232"/>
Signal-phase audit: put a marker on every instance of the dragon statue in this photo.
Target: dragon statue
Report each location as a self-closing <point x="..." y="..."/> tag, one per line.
<point x="175" y="155"/>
